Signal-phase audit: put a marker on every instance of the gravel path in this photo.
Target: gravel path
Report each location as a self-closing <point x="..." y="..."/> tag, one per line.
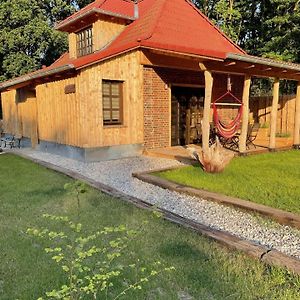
<point x="117" y="174"/>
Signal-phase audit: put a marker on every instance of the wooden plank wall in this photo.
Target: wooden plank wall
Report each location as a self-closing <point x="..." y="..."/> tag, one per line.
<point x="27" y="111"/>
<point x="58" y="113"/>
<point x="10" y="112"/>
<point x="20" y="113"/>
<point x="76" y="119"/>
<point x="125" y="68"/>
<point x="105" y="31"/>
<point x="260" y="111"/>
<point x="72" y="45"/>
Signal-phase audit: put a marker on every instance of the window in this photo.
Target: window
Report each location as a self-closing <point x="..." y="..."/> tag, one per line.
<point x="85" y="42"/>
<point x="112" y="95"/>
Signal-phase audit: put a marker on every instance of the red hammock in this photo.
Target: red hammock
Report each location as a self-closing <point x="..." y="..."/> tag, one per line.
<point x="227" y="130"/>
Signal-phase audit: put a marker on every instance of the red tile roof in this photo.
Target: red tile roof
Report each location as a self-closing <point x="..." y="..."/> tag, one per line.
<point x="169" y="25"/>
<point x="121" y="8"/>
<point x="162" y="24"/>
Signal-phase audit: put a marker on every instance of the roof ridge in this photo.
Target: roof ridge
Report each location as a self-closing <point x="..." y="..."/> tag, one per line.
<point x="158" y="17"/>
<point x="155" y="23"/>
<point x="214" y="26"/>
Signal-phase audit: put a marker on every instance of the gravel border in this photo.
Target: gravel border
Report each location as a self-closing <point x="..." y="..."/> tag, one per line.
<point x="118" y="175"/>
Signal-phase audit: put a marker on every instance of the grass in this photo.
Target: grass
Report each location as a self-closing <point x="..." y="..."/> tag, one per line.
<point x="272" y="179"/>
<point x="204" y="269"/>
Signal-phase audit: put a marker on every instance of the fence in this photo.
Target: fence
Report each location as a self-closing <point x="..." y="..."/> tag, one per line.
<point x="260" y="111"/>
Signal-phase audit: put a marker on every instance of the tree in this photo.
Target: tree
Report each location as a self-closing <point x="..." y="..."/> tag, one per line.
<point x="27" y="36"/>
<point x="283" y="31"/>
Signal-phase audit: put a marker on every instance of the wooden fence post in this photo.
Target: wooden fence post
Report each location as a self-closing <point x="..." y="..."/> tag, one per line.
<point x="245" y="120"/>
<point x="273" y="122"/>
<point x="207" y="108"/>
<point x="297" y="120"/>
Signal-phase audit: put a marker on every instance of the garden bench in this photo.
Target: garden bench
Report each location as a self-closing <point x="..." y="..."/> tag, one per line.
<point x="12" y="141"/>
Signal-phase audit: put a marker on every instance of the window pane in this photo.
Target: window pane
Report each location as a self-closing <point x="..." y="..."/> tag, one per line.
<point x="115" y="89"/>
<point x="106" y="115"/>
<point x="106" y="89"/>
<point x="115" y="115"/>
<point x="115" y="103"/>
<point x="106" y="102"/>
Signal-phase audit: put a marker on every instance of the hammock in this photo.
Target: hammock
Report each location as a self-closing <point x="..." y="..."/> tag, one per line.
<point x="227" y="130"/>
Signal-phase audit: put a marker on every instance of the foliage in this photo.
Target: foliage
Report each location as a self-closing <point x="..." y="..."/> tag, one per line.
<point x="268" y="28"/>
<point x="271" y="179"/>
<point x="27" y="36"/>
<point x="76" y="188"/>
<point x="283" y="31"/>
<point x="86" y="276"/>
<point x="228" y="18"/>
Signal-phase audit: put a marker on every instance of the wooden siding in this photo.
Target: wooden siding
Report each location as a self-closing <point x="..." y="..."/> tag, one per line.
<point x="125" y="68"/>
<point x="72" y="45"/>
<point x="104" y="32"/>
<point x="76" y="119"/>
<point x="20" y="113"/>
<point x="10" y="112"/>
<point x="58" y="113"/>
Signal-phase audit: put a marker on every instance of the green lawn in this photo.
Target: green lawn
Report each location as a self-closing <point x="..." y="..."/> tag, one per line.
<point x="204" y="269"/>
<point x="272" y="179"/>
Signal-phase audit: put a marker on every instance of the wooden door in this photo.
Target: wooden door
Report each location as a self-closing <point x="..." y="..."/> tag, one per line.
<point x="27" y="114"/>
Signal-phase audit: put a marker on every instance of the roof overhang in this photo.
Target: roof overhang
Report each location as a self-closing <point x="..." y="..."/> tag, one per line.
<point x="253" y="66"/>
<point x="264" y="61"/>
<point x="64" y="25"/>
<point x="26" y="79"/>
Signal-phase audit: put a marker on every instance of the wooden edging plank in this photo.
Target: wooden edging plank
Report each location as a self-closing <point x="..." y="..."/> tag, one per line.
<point x="282" y="217"/>
<point x="262" y="253"/>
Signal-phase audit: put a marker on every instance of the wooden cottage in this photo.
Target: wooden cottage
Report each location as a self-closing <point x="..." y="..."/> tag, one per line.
<point x="130" y="74"/>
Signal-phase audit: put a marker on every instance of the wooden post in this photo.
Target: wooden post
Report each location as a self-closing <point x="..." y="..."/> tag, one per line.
<point x="206" y="112"/>
<point x="188" y="127"/>
<point x="245" y="119"/>
<point x="297" y="120"/>
<point x="273" y="122"/>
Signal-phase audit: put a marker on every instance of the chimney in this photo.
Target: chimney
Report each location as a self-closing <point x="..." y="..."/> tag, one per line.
<point x="136" y="9"/>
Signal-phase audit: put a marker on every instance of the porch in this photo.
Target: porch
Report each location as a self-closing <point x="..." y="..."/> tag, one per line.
<point x="181" y="153"/>
<point x="179" y="109"/>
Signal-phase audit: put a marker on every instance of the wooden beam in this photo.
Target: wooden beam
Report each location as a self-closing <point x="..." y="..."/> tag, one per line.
<point x="206" y="112"/>
<point x="250" y="67"/>
<point x="230" y="64"/>
<point x="245" y="119"/>
<point x="297" y="119"/>
<point x="273" y="123"/>
<point x="188" y="127"/>
<point x="202" y="67"/>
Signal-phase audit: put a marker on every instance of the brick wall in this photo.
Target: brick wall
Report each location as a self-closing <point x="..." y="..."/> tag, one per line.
<point x="157" y="99"/>
<point x="156" y="110"/>
<point x="157" y="102"/>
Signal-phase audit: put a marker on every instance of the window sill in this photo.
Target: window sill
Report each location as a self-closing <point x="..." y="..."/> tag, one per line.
<point x="114" y="126"/>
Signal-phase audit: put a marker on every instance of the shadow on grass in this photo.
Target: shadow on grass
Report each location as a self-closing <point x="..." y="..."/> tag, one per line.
<point x="182" y="249"/>
<point x="51" y="192"/>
